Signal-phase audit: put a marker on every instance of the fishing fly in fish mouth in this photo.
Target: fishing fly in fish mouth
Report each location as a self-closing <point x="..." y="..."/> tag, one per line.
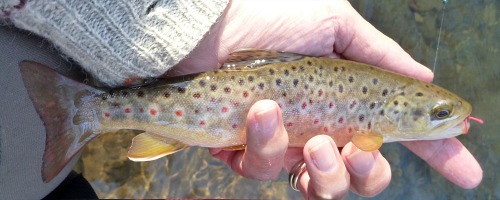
<point x="346" y="100"/>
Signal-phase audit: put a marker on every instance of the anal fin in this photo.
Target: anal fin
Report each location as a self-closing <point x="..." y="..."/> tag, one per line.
<point x="367" y="140"/>
<point x="147" y="147"/>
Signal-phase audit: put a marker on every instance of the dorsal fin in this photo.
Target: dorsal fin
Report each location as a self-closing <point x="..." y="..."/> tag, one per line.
<point x="251" y="58"/>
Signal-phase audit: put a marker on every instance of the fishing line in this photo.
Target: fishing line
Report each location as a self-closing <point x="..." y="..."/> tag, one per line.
<point x="439" y="35"/>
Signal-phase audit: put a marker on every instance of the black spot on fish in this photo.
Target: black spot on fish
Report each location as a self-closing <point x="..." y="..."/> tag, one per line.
<point x="232" y="78"/>
<point x="405" y="103"/>
<point x="321" y="68"/>
<point x="361" y="118"/>
<point x="241" y="81"/>
<point x="402" y="93"/>
<point x="330" y="83"/>
<point x="213" y="87"/>
<point x="271" y="71"/>
<point x="396" y="103"/>
<point x="124" y="93"/>
<point x="104" y="97"/>
<point x="278" y="82"/>
<point x="181" y="90"/>
<point x="418" y="113"/>
<point x="375" y="81"/>
<point x="309" y="63"/>
<point x="302" y="68"/>
<point x="202" y="83"/>
<point x="419" y="94"/>
<point x="287" y="72"/>
<point x="341" y="120"/>
<point x="250" y="78"/>
<point x="166" y="94"/>
<point x="335" y="69"/>
<point x="384" y="93"/>
<point x="364" y="90"/>
<point x="227" y="90"/>
<point x="369" y="125"/>
<point x="342" y="69"/>
<point x="382" y="112"/>
<point x="396" y="112"/>
<point x="295" y="82"/>
<point x="140" y="94"/>
<point x="306" y="86"/>
<point x="353" y="103"/>
<point x="372" y="105"/>
<point x="261" y="86"/>
<point x="351" y="79"/>
<point x="311" y="78"/>
<point x="284" y="94"/>
<point x="294" y="68"/>
<point x="315" y="71"/>
<point x="341" y="88"/>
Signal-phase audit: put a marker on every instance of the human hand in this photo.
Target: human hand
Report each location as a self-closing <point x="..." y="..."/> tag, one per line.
<point x="319" y="28"/>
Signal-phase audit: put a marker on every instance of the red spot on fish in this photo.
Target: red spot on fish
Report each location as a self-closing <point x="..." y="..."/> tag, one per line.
<point x="107" y="114"/>
<point x="289" y="124"/>
<point x="341" y="120"/>
<point x="350" y="130"/>
<point x="330" y="105"/>
<point x="236" y="104"/>
<point x="128" y="110"/>
<point x="316" y="121"/>
<point x="197" y="95"/>
<point x="153" y="112"/>
<point x="196" y="111"/>
<point x="235" y="126"/>
<point x="310" y="101"/>
<point x="245" y="94"/>
<point x="141" y="110"/>
<point x="224" y="109"/>
<point x="202" y="123"/>
<point x="304" y="105"/>
<point x="178" y="113"/>
<point x="325" y="129"/>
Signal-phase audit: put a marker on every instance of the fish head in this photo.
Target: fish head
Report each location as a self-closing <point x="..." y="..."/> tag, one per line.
<point x="424" y="111"/>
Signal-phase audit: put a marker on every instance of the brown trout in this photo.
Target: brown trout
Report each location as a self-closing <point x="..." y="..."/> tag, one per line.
<point x="347" y="100"/>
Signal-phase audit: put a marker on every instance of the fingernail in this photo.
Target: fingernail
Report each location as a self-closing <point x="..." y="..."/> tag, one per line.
<point x="361" y="162"/>
<point x="267" y="122"/>
<point x="323" y="156"/>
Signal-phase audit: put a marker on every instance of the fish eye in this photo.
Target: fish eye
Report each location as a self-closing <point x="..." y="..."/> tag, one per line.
<point x="441" y="111"/>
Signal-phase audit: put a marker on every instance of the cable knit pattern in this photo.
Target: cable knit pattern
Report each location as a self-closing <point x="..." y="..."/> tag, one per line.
<point x="120" y="39"/>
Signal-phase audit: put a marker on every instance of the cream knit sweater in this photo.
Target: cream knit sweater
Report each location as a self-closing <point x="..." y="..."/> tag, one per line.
<point x="117" y="39"/>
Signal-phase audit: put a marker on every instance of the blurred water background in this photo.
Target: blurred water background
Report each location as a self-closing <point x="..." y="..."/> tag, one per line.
<point x="468" y="64"/>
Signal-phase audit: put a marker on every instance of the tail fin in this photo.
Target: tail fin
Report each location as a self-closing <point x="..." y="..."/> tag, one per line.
<point x="58" y="101"/>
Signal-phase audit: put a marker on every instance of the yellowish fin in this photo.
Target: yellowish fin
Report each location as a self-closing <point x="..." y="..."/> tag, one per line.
<point x="145" y="147"/>
<point x="235" y="148"/>
<point x="367" y="140"/>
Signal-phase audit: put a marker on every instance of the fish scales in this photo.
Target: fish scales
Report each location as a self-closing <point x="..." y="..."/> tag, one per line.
<point x="347" y="100"/>
<point x="316" y="96"/>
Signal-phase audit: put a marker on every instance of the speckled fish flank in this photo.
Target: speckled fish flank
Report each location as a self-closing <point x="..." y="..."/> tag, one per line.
<point x="347" y="100"/>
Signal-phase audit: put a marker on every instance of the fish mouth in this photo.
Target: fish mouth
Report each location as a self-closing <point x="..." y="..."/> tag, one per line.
<point x="466" y="123"/>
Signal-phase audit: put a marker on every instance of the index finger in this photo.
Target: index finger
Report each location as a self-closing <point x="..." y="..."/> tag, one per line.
<point x="451" y="159"/>
<point x="362" y="42"/>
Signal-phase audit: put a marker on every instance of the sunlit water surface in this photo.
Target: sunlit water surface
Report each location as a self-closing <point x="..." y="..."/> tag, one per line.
<point x="468" y="64"/>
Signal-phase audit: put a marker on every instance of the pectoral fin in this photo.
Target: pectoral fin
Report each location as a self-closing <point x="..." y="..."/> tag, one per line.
<point x="235" y="148"/>
<point x="367" y="140"/>
<point x="147" y="147"/>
